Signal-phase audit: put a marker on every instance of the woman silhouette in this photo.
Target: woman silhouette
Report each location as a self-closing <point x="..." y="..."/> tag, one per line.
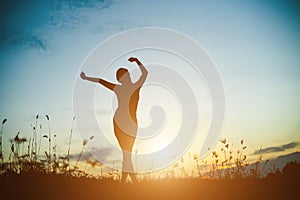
<point x="125" y="120"/>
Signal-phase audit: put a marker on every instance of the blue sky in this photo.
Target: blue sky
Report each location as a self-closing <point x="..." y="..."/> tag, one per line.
<point x="255" y="45"/>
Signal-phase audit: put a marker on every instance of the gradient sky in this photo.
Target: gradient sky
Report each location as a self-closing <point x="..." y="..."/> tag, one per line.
<point x="255" y="45"/>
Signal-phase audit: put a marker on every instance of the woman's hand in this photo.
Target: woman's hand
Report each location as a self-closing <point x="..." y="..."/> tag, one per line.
<point x="83" y="76"/>
<point x="132" y="59"/>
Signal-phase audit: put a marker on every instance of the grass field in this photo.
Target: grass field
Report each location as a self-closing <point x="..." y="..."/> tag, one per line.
<point x="24" y="174"/>
<point x="42" y="186"/>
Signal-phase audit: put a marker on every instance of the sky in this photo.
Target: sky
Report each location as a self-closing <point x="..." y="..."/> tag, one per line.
<point x="254" y="44"/>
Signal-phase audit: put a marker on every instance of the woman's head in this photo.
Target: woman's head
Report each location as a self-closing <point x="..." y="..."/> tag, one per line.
<point x="123" y="75"/>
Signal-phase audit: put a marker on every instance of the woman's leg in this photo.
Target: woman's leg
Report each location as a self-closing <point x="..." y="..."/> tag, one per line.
<point x="126" y="143"/>
<point x="127" y="166"/>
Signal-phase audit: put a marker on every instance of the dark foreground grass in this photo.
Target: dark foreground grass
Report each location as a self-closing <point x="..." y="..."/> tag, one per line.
<point x="26" y="174"/>
<point x="46" y="186"/>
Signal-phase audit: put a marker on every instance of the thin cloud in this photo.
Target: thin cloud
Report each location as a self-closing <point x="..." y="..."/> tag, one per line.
<point x="20" y="37"/>
<point x="104" y="153"/>
<point x="35" y="32"/>
<point x="277" y="148"/>
<point x="71" y="14"/>
<point x="290" y="145"/>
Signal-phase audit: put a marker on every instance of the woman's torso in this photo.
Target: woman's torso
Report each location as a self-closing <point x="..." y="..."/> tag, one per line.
<point x="128" y="98"/>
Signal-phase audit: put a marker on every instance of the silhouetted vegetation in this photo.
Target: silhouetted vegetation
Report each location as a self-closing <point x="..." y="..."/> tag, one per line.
<point x="37" y="175"/>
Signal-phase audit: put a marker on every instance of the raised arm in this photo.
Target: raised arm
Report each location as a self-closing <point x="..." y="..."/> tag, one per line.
<point x="98" y="80"/>
<point x="144" y="71"/>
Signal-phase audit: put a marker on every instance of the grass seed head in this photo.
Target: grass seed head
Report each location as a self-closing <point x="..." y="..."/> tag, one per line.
<point x="4" y="121"/>
<point x="84" y="142"/>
